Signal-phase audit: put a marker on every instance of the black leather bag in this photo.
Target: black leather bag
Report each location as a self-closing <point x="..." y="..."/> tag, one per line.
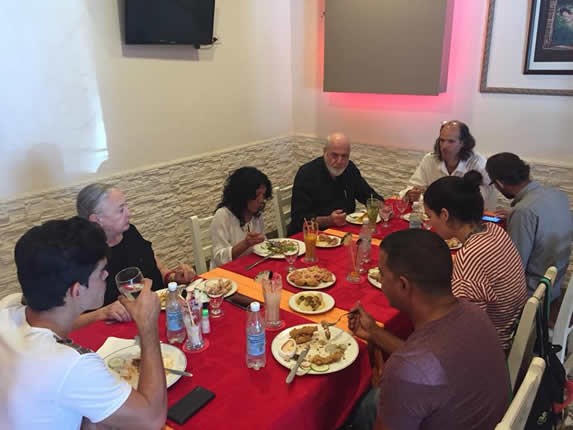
<point x="551" y="389"/>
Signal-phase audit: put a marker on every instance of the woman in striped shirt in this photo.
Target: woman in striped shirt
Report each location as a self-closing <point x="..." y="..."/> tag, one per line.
<point x="487" y="269"/>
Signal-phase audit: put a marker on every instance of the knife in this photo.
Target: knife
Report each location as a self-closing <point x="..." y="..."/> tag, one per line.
<point x="177" y="372"/>
<point x="250" y="266"/>
<point x="301" y="357"/>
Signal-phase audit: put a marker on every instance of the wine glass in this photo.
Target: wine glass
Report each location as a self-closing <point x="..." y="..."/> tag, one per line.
<point x="291" y="252"/>
<point x="216" y="293"/>
<point x="129" y="282"/>
<point x="386" y="212"/>
<point x="401" y="205"/>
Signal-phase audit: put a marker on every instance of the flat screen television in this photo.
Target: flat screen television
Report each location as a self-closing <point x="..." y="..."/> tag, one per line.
<point x="188" y="22"/>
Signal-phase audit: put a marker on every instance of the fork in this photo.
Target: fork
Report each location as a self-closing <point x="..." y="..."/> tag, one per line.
<point x="325" y="323"/>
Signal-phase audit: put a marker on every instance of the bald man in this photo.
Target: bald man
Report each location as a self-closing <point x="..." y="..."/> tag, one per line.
<point x="327" y="187"/>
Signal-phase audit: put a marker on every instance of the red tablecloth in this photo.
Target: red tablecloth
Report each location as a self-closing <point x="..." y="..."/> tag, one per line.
<point x="248" y="399"/>
<point x="345" y="293"/>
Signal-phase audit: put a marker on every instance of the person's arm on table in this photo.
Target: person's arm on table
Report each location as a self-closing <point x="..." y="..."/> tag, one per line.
<point x="146" y="407"/>
<point x="417" y="183"/>
<point x="252" y="238"/>
<point x="182" y="274"/>
<point x="113" y="312"/>
<point x="364" y="326"/>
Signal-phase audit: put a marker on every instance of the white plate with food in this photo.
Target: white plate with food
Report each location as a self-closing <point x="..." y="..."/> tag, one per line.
<point x="324" y="356"/>
<point x="311" y="278"/>
<point x="163" y="295"/>
<point x="374" y="277"/>
<point x="406" y="217"/>
<point x="275" y="248"/>
<point x="358" y="218"/>
<point x="125" y="363"/>
<point x="311" y="303"/>
<point x="228" y="286"/>
<point x="328" y="241"/>
<point x="453" y="243"/>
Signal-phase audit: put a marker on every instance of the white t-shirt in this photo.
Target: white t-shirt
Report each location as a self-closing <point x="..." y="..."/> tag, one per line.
<point x="226" y="232"/>
<point x="431" y="169"/>
<point x="47" y="385"/>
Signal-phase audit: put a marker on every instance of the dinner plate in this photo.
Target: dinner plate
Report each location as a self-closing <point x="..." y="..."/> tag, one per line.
<point x="327" y="303"/>
<point x="406" y="217"/>
<point x="356" y="218"/>
<point x="454" y="244"/>
<point x="262" y="250"/>
<point x="338" y="337"/>
<point x="173" y="358"/>
<point x="320" y="286"/>
<point x="233" y="290"/>
<point x="162" y="293"/>
<point x="337" y="241"/>
<point x="372" y="280"/>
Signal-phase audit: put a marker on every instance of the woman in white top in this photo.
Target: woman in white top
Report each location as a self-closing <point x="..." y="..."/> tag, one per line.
<point x="453" y="155"/>
<point x="238" y="222"/>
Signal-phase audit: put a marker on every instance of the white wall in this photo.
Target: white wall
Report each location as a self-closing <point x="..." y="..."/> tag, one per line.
<point x="73" y="95"/>
<point x="535" y="127"/>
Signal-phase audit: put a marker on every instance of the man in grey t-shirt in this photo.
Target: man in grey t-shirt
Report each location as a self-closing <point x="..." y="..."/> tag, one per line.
<point x="450" y="373"/>
<point x="539" y="223"/>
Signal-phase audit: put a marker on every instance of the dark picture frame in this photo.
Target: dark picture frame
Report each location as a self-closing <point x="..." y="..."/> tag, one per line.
<point x="519" y="83"/>
<point x="550" y="38"/>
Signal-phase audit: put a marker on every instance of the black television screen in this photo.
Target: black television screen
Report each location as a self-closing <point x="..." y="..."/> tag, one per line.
<point x="169" y="22"/>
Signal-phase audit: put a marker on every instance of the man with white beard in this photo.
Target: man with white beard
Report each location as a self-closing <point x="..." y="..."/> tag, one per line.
<point x="327" y="187"/>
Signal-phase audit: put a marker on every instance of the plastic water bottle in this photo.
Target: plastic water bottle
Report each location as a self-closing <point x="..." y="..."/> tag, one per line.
<point x="256" y="353"/>
<point x="173" y="315"/>
<point x="415" y="216"/>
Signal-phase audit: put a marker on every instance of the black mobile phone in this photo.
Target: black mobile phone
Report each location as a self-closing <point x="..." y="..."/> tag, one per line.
<point x="190" y="404"/>
<point x="240" y="300"/>
<point x="491" y="218"/>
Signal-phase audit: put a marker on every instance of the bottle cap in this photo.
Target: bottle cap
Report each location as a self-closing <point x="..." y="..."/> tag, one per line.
<point x="255" y="307"/>
<point x="205" y="306"/>
<point x="172" y="286"/>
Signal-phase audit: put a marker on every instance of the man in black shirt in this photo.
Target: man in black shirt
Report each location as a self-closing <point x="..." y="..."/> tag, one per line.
<point x="327" y="187"/>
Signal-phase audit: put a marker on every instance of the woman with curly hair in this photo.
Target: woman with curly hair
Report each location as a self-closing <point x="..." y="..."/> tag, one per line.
<point x="238" y="222"/>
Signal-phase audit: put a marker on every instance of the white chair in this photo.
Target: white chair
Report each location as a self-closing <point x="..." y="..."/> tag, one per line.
<point x="281" y="202"/>
<point x="524" y="336"/>
<point x="516" y="415"/>
<point x="201" y="242"/>
<point x="563" y="328"/>
<point x="13" y="299"/>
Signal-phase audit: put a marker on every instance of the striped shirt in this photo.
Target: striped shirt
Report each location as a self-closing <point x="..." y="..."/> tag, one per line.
<point x="488" y="271"/>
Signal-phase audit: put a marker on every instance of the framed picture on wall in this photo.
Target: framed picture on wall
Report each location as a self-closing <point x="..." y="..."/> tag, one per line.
<point x="550" y="40"/>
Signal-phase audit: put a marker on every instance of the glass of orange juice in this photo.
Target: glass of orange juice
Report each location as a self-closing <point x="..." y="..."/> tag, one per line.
<point x="310" y="232"/>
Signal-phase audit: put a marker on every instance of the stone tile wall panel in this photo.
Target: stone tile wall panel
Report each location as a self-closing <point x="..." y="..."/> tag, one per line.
<point x="162" y="198"/>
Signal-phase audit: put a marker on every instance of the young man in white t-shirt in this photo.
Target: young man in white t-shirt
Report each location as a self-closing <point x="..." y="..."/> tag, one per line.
<point x="48" y="382"/>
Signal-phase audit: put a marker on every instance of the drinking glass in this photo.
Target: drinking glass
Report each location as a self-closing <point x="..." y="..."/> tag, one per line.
<point x="129" y="282"/>
<point x="272" y="290"/>
<point x="386" y="212"/>
<point x="372" y="208"/>
<point x="195" y="341"/>
<point x="352" y="251"/>
<point x="290" y="254"/>
<point x="401" y="205"/>
<point x="216" y="294"/>
<point x="310" y="232"/>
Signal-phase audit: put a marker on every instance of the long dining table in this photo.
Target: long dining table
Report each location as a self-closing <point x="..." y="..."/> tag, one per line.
<point x="245" y="398"/>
